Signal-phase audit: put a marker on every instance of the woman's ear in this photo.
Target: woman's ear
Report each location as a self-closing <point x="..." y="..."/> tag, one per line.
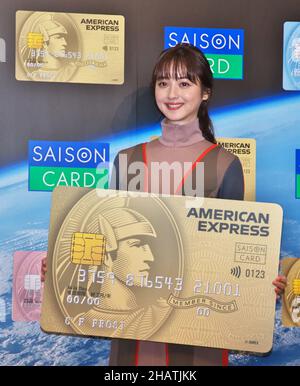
<point x="206" y="95"/>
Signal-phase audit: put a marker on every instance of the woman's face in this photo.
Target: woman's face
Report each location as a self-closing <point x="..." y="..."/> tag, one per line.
<point x="179" y="100"/>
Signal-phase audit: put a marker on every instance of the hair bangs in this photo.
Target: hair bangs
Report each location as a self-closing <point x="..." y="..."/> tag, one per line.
<point x="176" y="67"/>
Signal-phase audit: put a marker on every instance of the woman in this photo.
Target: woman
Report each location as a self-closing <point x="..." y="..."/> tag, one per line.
<point x="182" y="82"/>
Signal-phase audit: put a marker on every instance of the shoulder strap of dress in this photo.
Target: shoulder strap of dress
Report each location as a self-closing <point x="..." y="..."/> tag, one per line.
<point x="200" y="158"/>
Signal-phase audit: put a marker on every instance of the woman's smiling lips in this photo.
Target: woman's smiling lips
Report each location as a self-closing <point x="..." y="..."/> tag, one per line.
<point x="174" y="106"/>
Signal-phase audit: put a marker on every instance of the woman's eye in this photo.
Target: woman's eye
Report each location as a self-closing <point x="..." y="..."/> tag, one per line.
<point x="184" y="84"/>
<point x="162" y="84"/>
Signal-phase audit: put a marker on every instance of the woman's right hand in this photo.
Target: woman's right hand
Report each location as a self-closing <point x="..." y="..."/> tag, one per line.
<point x="43" y="270"/>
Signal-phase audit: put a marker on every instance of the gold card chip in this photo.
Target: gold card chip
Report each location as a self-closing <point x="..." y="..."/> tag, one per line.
<point x="88" y="249"/>
<point x="35" y="40"/>
<point x="296" y="287"/>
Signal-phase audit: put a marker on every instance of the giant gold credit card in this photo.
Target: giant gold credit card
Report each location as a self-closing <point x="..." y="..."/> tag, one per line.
<point x="70" y="47"/>
<point x="162" y="268"/>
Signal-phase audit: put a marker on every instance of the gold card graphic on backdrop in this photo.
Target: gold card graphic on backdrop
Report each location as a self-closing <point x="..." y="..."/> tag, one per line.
<point x="291" y="297"/>
<point x="245" y="149"/>
<point x="172" y="270"/>
<point x="70" y="47"/>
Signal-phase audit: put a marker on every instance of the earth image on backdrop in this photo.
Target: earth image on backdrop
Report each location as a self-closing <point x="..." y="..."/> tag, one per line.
<point x="273" y="122"/>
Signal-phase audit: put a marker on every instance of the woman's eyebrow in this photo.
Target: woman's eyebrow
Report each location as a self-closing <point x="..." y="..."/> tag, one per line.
<point x="170" y="76"/>
<point x="163" y="77"/>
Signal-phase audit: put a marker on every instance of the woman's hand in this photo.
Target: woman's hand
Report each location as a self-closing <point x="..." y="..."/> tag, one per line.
<point x="43" y="269"/>
<point x="280" y="283"/>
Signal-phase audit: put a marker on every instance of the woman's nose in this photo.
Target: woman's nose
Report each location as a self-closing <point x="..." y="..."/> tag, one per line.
<point x="173" y="92"/>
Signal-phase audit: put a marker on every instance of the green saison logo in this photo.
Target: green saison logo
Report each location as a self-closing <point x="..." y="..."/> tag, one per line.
<point x="47" y="178"/>
<point x="298" y="186"/>
<point x="226" y="66"/>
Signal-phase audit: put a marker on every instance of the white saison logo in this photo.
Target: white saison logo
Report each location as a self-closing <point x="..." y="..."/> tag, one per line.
<point x="2" y="51"/>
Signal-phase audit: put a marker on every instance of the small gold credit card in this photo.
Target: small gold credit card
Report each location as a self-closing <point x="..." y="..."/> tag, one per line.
<point x="291" y="297"/>
<point x="172" y="269"/>
<point x="70" y="47"/>
<point x="245" y="150"/>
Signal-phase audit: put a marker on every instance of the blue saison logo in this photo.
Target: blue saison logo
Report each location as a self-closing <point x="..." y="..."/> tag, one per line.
<point x="298" y="173"/>
<point x="223" y="48"/>
<point x="81" y="164"/>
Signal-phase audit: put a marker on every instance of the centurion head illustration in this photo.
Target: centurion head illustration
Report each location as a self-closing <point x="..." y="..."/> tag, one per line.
<point x="121" y="223"/>
<point x="48" y="27"/>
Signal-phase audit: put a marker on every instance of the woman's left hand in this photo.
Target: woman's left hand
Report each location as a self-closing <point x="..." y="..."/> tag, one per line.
<point x="280" y="283"/>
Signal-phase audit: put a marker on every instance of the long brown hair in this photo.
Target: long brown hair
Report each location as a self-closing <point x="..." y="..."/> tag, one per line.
<point x="188" y="61"/>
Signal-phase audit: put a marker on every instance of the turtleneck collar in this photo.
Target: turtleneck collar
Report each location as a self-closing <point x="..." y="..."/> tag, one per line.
<point x="180" y="135"/>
